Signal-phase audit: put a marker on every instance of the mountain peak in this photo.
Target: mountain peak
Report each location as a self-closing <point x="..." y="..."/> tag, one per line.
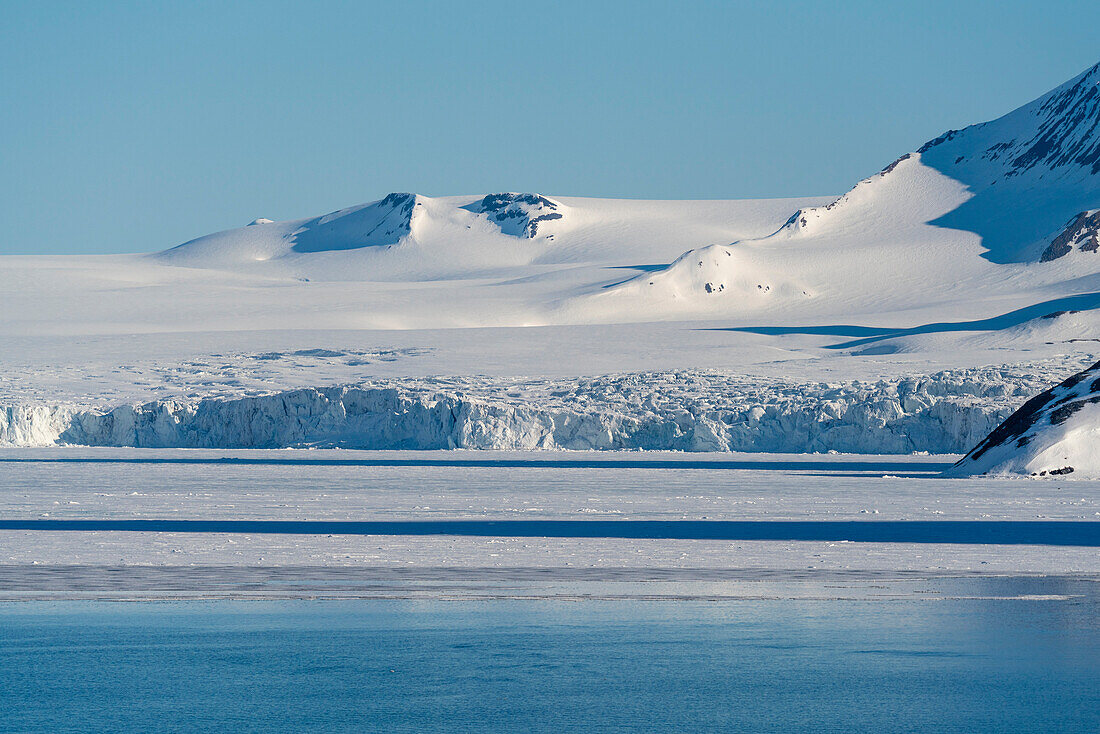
<point x="1056" y="132"/>
<point x="1014" y="181"/>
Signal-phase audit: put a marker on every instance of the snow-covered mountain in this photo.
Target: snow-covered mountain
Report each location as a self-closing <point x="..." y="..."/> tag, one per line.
<point x="1020" y="192"/>
<point x="1025" y="176"/>
<point x="978" y="248"/>
<point x="1056" y="433"/>
<point x="978" y="223"/>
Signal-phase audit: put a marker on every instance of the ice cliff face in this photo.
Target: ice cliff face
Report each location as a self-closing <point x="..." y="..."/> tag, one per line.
<point x="686" y="411"/>
<point x="33" y="425"/>
<point x="1055" y="433"/>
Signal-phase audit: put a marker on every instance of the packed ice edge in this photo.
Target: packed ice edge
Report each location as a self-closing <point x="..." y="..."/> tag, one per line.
<point x="944" y="412"/>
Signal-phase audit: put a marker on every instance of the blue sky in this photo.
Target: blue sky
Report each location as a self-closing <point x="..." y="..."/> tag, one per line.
<point x="136" y="126"/>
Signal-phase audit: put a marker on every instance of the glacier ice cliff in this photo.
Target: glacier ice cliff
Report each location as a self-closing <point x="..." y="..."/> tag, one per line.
<point x="946" y="412"/>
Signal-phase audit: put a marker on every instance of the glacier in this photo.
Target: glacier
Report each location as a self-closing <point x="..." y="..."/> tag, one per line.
<point x="944" y="412"/>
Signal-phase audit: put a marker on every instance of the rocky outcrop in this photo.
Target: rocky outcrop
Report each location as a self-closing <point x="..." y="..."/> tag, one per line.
<point x="520" y="215"/>
<point x="1080" y="233"/>
<point x="1055" y="433"/>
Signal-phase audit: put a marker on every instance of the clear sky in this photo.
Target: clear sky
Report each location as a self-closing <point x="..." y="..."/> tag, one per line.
<point x="136" y="126"/>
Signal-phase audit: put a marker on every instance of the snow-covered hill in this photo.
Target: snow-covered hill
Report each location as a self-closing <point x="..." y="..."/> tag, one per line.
<point x="431" y="237"/>
<point x="1025" y="176"/>
<point x="984" y="210"/>
<point x="415" y="238"/>
<point x="1056" y="433"/>
<point x="974" y="226"/>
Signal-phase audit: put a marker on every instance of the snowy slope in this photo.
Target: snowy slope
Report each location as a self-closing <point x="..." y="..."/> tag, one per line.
<point x="415" y="238"/>
<point x="1021" y="189"/>
<point x="984" y="210"/>
<point x="976" y="227"/>
<point x="1054" y="434"/>
<point x="1026" y="178"/>
<point x="402" y="236"/>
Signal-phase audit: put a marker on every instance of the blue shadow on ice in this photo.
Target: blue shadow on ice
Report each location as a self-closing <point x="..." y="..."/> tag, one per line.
<point x="808" y="465"/>
<point x="1006" y="532"/>
<point x="869" y="335"/>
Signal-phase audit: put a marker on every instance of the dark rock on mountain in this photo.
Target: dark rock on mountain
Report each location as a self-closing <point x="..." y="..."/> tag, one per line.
<point x="518" y="214"/>
<point x="1081" y="233"/>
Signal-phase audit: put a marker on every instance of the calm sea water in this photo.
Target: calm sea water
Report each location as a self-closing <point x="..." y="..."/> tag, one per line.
<point x="502" y="666"/>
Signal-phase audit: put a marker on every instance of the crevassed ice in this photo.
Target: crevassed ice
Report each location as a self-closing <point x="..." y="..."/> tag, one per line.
<point x="947" y="412"/>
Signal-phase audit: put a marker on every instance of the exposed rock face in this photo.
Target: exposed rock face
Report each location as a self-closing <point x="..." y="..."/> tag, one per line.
<point x="520" y="215"/>
<point x="1081" y="233"/>
<point x="1060" y="129"/>
<point x="1055" y="433"/>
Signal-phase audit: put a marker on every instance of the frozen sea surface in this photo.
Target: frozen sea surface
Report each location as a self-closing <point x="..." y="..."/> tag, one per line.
<point x="1022" y="655"/>
<point x="120" y="523"/>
